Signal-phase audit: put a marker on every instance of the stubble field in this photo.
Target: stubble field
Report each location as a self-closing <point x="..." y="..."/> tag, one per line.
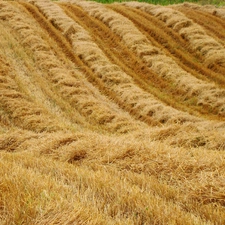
<point x="111" y="114"/>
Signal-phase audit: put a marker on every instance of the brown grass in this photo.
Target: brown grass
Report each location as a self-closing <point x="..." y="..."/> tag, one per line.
<point x="21" y="110"/>
<point x="154" y="58"/>
<point x="83" y="142"/>
<point x="111" y="75"/>
<point x="217" y="11"/>
<point x="208" y="47"/>
<point x="68" y="84"/>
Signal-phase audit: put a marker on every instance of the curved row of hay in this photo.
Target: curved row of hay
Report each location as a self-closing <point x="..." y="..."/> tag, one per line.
<point x="29" y="81"/>
<point x="170" y="42"/>
<point x="17" y="109"/>
<point x="210" y="19"/>
<point x="126" y="59"/>
<point x="69" y="154"/>
<point x="207" y="94"/>
<point x="213" y="25"/>
<point x="70" y="86"/>
<point x="216" y="11"/>
<point x="144" y="105"/>
<point x="210" y="49"/>
<point x="121" y="123"/>
<point x="120" y="55"/>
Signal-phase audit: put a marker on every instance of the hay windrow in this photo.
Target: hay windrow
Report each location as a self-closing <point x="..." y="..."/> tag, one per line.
<point x="217" y="11"/>
<point x="77" y="141"/>
<point x="91" y="54"/>
<point x="154" y="57"/>
<point x="23" y="112"/>
<point x="52" y="67"/>
<point x="190" y="31"/>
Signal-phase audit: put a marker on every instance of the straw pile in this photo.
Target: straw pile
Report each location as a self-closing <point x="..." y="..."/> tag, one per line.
<point x="210" y="49"/>
<point x="69" y="85"/>
<point x="111" y="75"/>
<point x="155" y="58"/>
<point x="83" y="139"/>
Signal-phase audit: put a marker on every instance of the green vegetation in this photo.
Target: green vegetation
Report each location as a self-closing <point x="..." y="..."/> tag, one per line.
<point x="168" y="2"/>
<point x="161" y="2"/>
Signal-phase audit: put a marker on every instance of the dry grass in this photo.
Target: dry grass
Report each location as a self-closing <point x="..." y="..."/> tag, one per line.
<point x="130" y="183"/>
<point x="199" y="41"/>
<point x="77" y="141"/>
<point x="210" y="49"/>
<point x="217" y="11"/>
<point x="71" y="86"/>
<point x="21" y="110"/>
<point x="113" y="77"/>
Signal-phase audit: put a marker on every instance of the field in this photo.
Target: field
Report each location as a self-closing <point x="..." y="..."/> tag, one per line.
<point x="169" y="2"/>
<point x="111" y="113"/>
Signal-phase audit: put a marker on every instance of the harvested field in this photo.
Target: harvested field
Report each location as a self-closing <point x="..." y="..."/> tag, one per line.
<point x="111" y="114"/>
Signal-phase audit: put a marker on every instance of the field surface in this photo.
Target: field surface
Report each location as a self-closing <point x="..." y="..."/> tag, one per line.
<point x="111" y="114"/>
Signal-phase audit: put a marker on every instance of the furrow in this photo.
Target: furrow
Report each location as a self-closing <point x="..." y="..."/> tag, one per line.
<point x="209" y="49"/>
<point x="207" y="21"/>
<point x="217" y="13"/>
<point x="120" y="55"/>
<point x="67" y="48"/>
<point x="81" y="95"/>
<point x="17" y="107"/>
<point x="204" y="93"/>
<point x="141" y="104"/>
<point x="171" y="43"/>
<point x="30" y="80"/>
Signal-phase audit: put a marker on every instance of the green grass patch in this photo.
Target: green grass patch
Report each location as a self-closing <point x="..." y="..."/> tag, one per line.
<point x="170" y="2"/>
